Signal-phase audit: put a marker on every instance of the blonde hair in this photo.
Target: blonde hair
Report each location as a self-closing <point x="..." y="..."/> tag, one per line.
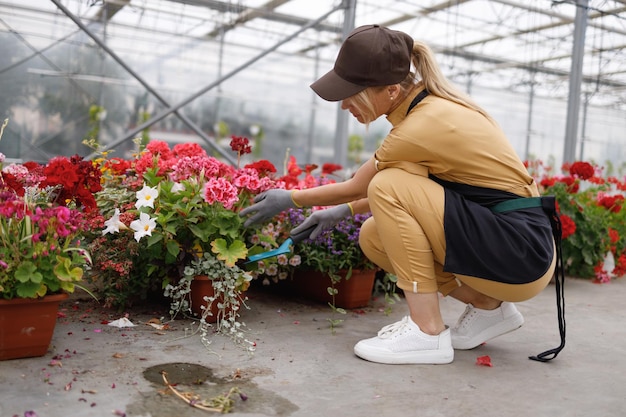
<point x="364" y="101"/>
<point x="432" y="78"/>
<point x="435" y="82"/>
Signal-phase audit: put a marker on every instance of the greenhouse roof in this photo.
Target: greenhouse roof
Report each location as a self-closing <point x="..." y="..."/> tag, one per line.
<point x="507" y="44"/>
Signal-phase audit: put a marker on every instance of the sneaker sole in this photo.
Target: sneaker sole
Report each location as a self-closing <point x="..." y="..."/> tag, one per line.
<point x="507" y="326"/>
<point x="423" y="357"/>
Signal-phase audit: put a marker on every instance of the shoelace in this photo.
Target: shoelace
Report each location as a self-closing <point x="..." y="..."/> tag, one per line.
<point x="393" y="328"/>
<point x="464" y="319"/>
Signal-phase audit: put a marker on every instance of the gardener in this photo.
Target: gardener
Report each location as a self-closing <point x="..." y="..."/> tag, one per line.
<point x="440" y="189"/>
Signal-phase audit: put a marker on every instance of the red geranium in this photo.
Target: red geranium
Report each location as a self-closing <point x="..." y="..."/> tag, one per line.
<point x="240" y="145"/>
<point x="547" y="182"/>
<point x="263" y="167"/>
<point x="9" y="181"/>
<point x="568" y="226"/>
<point x="583" y="170"/>
<point x="117" y="165"/>
<point x="572" y="184"/>
<point x="612" y="203"/>
<point x="76" y="178"/>
<point x="329" y="169"/>
<point x="188" y="149"/>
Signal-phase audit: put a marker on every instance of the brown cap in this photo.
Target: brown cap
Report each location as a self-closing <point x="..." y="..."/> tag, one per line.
<point x="370" y="56"/>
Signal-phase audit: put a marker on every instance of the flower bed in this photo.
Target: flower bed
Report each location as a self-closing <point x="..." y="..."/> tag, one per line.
<point x="590" y="203"/>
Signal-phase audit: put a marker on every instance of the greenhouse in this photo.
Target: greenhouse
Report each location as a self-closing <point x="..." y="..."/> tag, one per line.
<point x="294" y="208"/>
<point x="552" y="73"/>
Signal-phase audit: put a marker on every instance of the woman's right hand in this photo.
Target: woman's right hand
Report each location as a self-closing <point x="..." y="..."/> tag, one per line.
<point x="267" y="205"/>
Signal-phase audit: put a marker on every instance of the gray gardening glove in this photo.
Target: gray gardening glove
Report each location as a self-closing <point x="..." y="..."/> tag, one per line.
<point x="322" y="220"/>
<point x="267" y="205"/>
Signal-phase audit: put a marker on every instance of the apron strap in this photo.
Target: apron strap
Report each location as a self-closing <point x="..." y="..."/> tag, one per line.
<point x="549" y="206"/>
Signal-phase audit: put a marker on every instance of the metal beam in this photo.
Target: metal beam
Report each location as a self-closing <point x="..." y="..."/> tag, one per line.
<point x="171" y="109"/>
<point x="110" y="8"/>
<point x="527" y="66"/>
<point x="120" y="61"/>
<point x="246" y="14"/>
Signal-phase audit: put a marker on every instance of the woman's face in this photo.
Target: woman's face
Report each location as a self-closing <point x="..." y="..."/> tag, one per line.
<point x="381" y="104"/>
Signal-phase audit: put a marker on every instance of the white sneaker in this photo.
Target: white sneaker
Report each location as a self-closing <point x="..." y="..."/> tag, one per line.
<point x="404" y="343"/>
<point x="476" y="326"/>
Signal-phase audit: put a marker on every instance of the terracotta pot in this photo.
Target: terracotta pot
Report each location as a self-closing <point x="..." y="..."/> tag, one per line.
<point x="27" y="325"/>
<point x="201" y="287"/>
<point x="355" y="292"/>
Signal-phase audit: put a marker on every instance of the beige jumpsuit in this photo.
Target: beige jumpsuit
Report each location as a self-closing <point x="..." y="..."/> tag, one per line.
<point x="405" y="236"/>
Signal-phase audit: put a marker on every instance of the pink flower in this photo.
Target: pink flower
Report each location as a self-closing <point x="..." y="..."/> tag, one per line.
<point x="222" y="191"/>
<point x="248" y="179"/>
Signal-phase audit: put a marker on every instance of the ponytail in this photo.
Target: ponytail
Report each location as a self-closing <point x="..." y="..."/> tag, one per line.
<point x="435" y="82"/>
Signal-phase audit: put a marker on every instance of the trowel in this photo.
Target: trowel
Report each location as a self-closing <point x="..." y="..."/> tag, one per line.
<point x="285" y="247"/>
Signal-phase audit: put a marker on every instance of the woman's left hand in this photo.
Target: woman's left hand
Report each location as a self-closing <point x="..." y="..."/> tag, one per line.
<point x="323" y="220"/>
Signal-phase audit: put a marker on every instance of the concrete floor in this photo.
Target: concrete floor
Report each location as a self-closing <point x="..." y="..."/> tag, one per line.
<point x="301" y="369"/>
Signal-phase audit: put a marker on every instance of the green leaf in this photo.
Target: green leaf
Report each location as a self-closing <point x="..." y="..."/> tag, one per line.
<point x="31" y="290"/>
<point x="173" y="248"/>
<point x="229" y="254"/>
<point x="64" y="271"/>
<point x="27" y="271"/>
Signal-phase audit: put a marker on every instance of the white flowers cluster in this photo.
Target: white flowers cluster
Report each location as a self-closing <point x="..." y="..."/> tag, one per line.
<point x="142" y="226"/>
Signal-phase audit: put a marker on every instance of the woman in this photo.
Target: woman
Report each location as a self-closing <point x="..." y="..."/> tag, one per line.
<point x="451" y="202"/>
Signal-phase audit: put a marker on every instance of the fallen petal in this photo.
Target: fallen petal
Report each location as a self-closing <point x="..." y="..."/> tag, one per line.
<point x="123" y="322"/>
<point x="484" y="361"/>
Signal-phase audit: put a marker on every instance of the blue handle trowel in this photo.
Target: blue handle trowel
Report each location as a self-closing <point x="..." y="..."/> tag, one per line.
<point x="285" y="247"/>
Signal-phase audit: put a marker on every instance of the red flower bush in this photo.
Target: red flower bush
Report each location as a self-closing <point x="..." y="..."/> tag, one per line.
<point x="593" y="222"/>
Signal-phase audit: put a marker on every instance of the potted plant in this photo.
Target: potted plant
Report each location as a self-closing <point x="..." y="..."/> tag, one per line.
<point x="163" y="210"/>
<point x="41" y="255"/>
<point x="166" y="206"/>
<point x="335" y="259"/>
<point x="332" y="268"/>
<point x="222" y="285"/>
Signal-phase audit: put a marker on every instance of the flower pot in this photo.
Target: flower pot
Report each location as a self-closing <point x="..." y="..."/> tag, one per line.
<point x="352" y="293"/>
<point x="27" y="325"/>
<point x="201" y="287"/>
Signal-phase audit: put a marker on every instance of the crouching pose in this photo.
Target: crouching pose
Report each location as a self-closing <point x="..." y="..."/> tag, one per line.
<point x="454" y="210"/>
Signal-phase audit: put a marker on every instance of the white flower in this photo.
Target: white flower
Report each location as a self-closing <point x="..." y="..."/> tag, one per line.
<point x="113" y="225"/>
<point x="144" y="226"/>
<point x="177" y="187"/>
<point x="146" y="197"/>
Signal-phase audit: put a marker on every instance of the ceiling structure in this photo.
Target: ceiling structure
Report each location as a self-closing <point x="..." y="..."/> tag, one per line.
<point x="513" y="45"/>
<point x="502" y="40"/>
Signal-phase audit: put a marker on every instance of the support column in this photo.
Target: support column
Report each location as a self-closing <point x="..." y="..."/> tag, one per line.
<point x="341" y="130"/>
<point x="575" y="81"/>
